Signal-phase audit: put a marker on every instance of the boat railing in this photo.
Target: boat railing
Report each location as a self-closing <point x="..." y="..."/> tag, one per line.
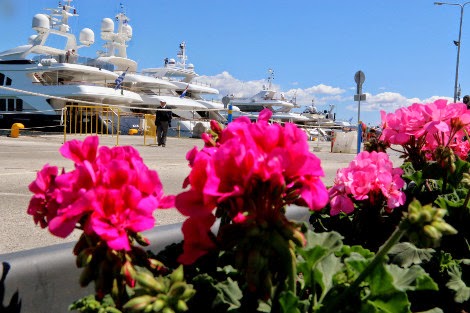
<point x="75" y="59"/>
<point x="81" y="83"/>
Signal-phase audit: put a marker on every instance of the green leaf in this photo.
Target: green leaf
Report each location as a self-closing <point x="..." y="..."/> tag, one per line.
<point x="356" y="261"/>
<point x="405" y="254"/>
<point x="318" y="264"/>
<point x="228" y="293"/>
<point x="329" y="240"/>
<point x="381" y="281"/>
<point x="455" y="283"/>
<point x="289" y="302"/>
<point x="413" y="278"/>
<point x="394" y="303"/>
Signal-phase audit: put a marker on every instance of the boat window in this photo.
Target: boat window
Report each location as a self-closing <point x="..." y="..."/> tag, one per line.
<point x="2" y="78"/>
<point x="19" y="104"/>
<point x="8" y="81"/>
<point x="3" y="104"/>
<point x="11" y="104"/>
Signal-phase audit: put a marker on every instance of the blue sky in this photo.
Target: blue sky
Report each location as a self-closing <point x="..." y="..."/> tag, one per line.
<point x="404" y="47"/>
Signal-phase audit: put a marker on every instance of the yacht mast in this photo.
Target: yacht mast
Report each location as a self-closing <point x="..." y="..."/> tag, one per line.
<point x="182" y="55"/>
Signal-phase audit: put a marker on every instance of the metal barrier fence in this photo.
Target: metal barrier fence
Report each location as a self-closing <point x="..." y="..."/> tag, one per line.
<point x="91" y="120"/>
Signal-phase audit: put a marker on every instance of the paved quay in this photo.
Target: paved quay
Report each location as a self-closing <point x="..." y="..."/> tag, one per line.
<point x="22" y="157"/>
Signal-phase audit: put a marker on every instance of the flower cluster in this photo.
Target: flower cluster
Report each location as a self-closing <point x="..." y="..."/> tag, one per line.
<point x="110" y="193"/>
<point x="369" y="176"/>
<point x="421" y="128"/>
<point x="249" y="172"/>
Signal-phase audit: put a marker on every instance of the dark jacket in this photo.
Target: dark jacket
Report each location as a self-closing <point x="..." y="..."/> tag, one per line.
<point x="163" y="116"/>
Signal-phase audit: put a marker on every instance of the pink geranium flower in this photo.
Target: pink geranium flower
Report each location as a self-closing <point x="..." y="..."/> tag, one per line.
<point x="370" y="173"/>
<point x="111" y="193"/>
<point x="249" y="173"/>
<point x="422" y="128"/>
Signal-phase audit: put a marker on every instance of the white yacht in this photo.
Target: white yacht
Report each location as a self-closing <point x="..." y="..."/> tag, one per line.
<point x="152" y="86"/>
<point x="266" y="98"/>
<point x="38" y="80"/>
<point x="184" y="77"/>
<point x="319" y="118"/>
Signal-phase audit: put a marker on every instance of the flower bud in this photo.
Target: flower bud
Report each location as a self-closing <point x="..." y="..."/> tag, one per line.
<point x="177" y="275"/>
<point x="158" y="305"/>
<point x="177" y="289"/>
<point x="146" y="280"/>
<point x="138" y="303"/>
<point x="128" y="271"/>
<point x="181" y="306"/>
<point x="432" y="232"/>
<point x="168" y="310"/>
<point x="141" y="239"/>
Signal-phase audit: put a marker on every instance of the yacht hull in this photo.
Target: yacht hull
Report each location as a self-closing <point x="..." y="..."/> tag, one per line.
<point x="39" y="122"/>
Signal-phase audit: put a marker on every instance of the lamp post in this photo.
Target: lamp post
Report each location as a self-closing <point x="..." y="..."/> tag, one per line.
<point x="456" y="43"/>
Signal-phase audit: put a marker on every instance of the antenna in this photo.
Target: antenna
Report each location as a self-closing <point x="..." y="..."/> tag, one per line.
<point x="270" y="78"/>
<point x="182" y="54"/>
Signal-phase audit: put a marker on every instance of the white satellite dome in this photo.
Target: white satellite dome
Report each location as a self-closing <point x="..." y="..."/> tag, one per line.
<point x="171" y="62"/>
<point x="87" y="36"/>
<point x="32" y="38"/>
<point x="107" y="25"/>
<point x="127" y="29"/>
<point x="41" y="23"/>
<point x="191" y="66"/>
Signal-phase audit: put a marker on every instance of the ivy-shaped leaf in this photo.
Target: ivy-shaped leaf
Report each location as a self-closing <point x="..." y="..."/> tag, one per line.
<point x="318" y="264"/>
<point x="450" y="200"/>
<point x="406" y="254"/>
<point x="455" y="283"/>
<point x="328" y="240"/>
<point x="228" y="293"/>
<point x="413" y="278"/>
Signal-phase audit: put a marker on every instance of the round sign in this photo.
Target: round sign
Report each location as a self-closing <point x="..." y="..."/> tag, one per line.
<point x="226" y="100"/>
<point x="359" y="77"/>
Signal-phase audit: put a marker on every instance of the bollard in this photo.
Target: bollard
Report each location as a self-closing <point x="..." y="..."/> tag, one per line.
<point x="333" y="138"/>
<point x="15" y="130"/>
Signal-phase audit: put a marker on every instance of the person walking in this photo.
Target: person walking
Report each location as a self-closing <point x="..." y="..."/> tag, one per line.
<point x="162" y="122"/>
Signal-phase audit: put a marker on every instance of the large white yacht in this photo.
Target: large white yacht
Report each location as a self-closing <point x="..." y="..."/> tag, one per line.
<point x="183" y="76"/>
<point x="38" y="80"/>
<point x="266" y="98"/>
<point x="155" y="84"/>
<point x="270" y="99"/>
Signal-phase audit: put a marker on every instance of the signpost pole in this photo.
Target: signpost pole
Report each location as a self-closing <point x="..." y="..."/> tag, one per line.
<point x="359" y="78"/>
<point x="227" y="104"/>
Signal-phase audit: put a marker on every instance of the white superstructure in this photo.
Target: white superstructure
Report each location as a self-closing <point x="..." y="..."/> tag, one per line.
<point x="37" y="80"/>
<point x="172" y="84"/>
<point x="183" y="76"/>
<point x="266" y="98"/>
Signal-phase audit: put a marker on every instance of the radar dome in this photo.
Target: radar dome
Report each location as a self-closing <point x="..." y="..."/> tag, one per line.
<point x="87" y="36"/>
<point x="41" y="22"/>
<point x="190" y="66"/>
<point x="127" y="29"/>
<point x="107" y="25"/>
<point x="32" y="38"/>
<point x="171" y="62"/>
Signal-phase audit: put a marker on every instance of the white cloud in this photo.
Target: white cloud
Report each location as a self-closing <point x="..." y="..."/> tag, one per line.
<point x="321" y="94"/>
